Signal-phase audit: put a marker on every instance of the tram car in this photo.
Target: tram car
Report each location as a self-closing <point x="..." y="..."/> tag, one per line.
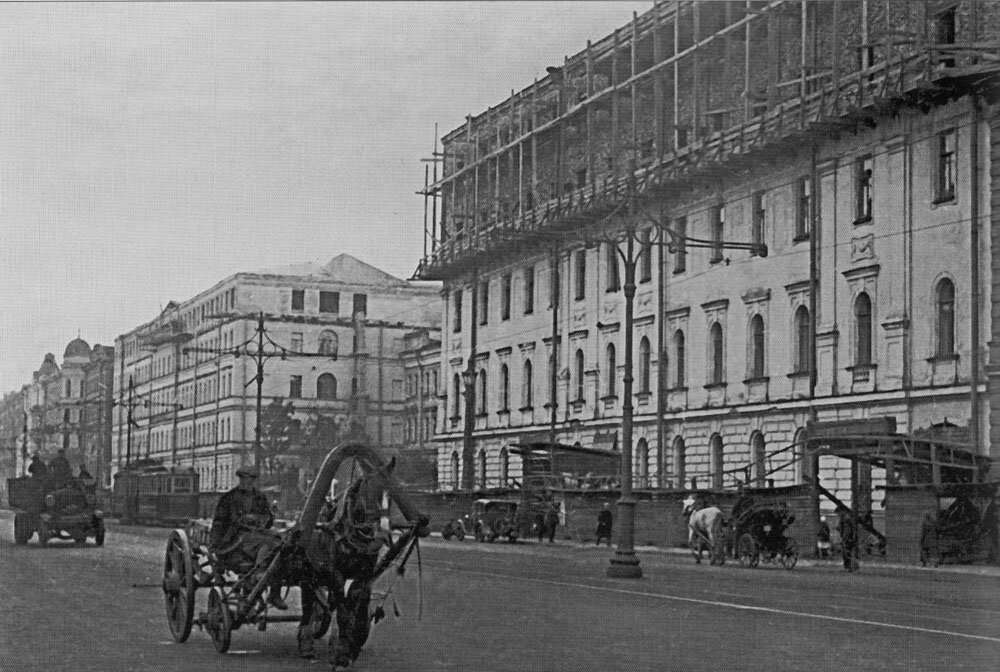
<point x="156" y="495"/>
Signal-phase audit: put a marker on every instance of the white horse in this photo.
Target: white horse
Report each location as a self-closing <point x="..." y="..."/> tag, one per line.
<point x="704" y="529"/>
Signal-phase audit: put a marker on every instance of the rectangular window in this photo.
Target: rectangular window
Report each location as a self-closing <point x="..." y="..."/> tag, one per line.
<point x="529" y="290"/>
<point x="554" y="284"/>
<point x="297" y="341"/>
<point x="946" y="167"/>
<point x="718" y="227"/>
<point x="484" y="302"/>
<point x="803" y="211"/>
<point x="679" y="244"/>
<point x="360" y="305"/>
<point x="295" y="387"/>
<point x="329" y="302"/>
<point x="645" y="256"/>
<point x="581" y="274"/>
<point x="298" y="299"/>
<point x="614" y="279"/>
<point x="759" y="215"/>
<point x="505" y="297"/>
<point x="456" y="316"/>
<point x="944" y="32"/>
<point x="864" y="187"/>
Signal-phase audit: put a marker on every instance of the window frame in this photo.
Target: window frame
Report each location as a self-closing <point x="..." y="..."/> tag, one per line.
<point x="945" y="187"/>
<point x="863" y="350"/>
<point x="718" y="232"/>
<point x="529" y="289"/>
<point x="864" y="187"/>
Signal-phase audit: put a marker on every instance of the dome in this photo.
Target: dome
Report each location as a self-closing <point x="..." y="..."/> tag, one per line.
<point x="77" y="348"/>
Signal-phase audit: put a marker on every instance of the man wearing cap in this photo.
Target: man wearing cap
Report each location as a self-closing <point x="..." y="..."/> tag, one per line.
<point x="241" y="528"/>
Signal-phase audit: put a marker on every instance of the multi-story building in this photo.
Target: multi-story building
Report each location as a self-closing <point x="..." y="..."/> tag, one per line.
<point x="13" y="446"/>
<point x="332" y="337"/>
<point x="855" y="140"/>
<point x="422" y="368"/>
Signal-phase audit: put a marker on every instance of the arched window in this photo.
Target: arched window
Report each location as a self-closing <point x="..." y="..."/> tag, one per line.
<point x="679" y="459"/>
<point x="504" y="467"/>
<point x="718" y="460"/>
<point x="504" y="388"/>
<point x="612" y="367"/>
<point x="482" y="391"/>
<point x="758" y="455"/>
<point x="526" y="383"/>
<point x="715" y="338"/>
<point x="69" y="388"/>
<point x="945" y="318"/>
<point x="644" y="366"/>
<point x="757" y="346"/>
<point x="679" y="358"/>
<point x="482" y="469"/>
<point x="327" y="343"/>
<point x="578" y="372"/>
<point x="863" y="330"/>
<point x="455" y="474"/>
<point x="803" y="345"/>
<point x="802" y="460"/>
<point x="326" y="386"/>
<point x="642" y="464"/>
<point x="456" y="400"/>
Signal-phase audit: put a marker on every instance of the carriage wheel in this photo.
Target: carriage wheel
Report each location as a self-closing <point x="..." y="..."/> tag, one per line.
<point x="749" y="553"/>
<point x="459" y="533"/>
<point x="790" y="555"/>
<point x="219" y="621"/>
<point x="178" y="583"/>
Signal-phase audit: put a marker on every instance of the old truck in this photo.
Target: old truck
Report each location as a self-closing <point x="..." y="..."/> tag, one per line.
<point x="67" y="511"/>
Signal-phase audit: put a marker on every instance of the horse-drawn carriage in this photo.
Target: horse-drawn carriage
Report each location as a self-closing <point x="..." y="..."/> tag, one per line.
<point x="334" y="554"/>
<point x="758" y="531"/>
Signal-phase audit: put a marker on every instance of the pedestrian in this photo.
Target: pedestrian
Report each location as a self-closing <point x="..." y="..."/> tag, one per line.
<point x="59" y="470"/>
<point x="552" y="521"/>
<point x="37" y="468"/>
<point x="848" y="530"/>
<point x="929" y="541"/>
<point x="540" y="525"/>
<point x="605" y="520"/>
<point x="823" y="538"/>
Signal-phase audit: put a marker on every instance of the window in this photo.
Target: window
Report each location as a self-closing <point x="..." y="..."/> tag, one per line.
<point x="680" y="244"/>
<point x="757" y="347"/>
<point x="482" y="392"/>
<point x="504" y="467"/>
<point x="718" y="227"/>
<point x="526" y="383"/>
<point x="578" y="375"/>
<point x="326" y="386"/>
<point x="484" y="302"/>
<point x="327" y="343"/>
<point x="329" y="302"/>
<point x="296" y="341"/>
<point x="612" y="368"/>
<point x="552" y="380"/>
<point x="456" y="401"/>
<point x="945" y="318"/>
<point x="295" y="387"/>
<point x="614" y="278"/>
<point x="529" y="290"/>
<point x="505" y="284"/>
<point x="554" y="284"/>
<point x="863" y="330"/>
<point x="581" y="274"/>
<point x="715" y="339"/>
<point x="864" y="188"/>
<point x="360" y="305"/>
<point x="645" y="256"/>
<point x="803" y="344"/>
<point x="759" y="215"/>
<point x="944" y="32"/>
<point x="504" y="388"/>
<point x="456" y="317"/>
<point x="946" y="167"/>
<point x="455" y="473"/>
<point x="298" y="299"/>
<point x="679" y="356"/>
<point x="69" y="389"/>
<point x="803" y="212"/>
<point x="482" y="468"/>
<point x="759" y="456"/>
<point x="644" y="365"/>
<point x="718" y="459"/>
<point x="679" y="460"/>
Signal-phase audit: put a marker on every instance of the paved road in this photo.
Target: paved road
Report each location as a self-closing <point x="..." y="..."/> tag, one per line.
<point x="499" y="607"/>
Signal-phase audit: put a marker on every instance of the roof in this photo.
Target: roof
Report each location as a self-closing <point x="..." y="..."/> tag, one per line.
<point x="342" y="268"/>
<point x="77" y="348"/>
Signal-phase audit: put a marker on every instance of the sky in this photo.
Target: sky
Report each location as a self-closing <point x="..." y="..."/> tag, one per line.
<point x="148" y="151"/>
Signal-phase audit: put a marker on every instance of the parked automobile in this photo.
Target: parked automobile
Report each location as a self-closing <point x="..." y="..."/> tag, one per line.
<point x="494" y="518"/>
<point x="66" y="512"/>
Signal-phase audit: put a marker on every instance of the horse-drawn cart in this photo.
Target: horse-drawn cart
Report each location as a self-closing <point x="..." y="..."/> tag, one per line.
<point x="758" y="531"/>
<point x="333" y="554"/>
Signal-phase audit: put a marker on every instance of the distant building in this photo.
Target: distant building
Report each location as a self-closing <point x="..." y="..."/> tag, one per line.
<point x="334" y="335"/>
<point x="422" y="367"/>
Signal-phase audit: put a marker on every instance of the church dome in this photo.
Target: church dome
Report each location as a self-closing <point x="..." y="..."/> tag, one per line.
<point x="77" y="348"/>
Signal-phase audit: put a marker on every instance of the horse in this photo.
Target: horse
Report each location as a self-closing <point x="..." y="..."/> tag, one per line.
<point x="704" y="529"/>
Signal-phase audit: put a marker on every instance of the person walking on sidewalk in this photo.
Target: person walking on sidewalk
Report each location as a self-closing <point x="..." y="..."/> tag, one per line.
<point x="552" y="521"/>
<point x="848" y="530"/>
<point x="605" y="520"/>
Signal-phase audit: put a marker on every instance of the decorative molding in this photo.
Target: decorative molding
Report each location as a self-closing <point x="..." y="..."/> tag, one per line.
<point x="503" y="352"/>
<point x="678" y="313"/>
<point x="579" y="333"/>
<point x="644" y="320"/>
<point x="578" y="316"/>
<point x="482" y="357"/>
<point x="797" y="287"/>
<point x="526" y="347"/>
<point x="863" y="247"/>
<point x="608" y="328"/>
<point x="756" y="295"/>
<point x="610" y="308"/>
<point x="713" y="306"/>
<point x="862" y="272"/>
<point x="456" y="361"/>
<point x="895" y="144"/>
<point x="548" y="340"/>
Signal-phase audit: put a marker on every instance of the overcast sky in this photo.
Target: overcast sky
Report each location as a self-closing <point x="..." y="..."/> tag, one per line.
<point x="148" y="151"/>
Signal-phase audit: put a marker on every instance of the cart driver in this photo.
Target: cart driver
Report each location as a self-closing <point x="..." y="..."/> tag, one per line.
<point x="241" y="529"/>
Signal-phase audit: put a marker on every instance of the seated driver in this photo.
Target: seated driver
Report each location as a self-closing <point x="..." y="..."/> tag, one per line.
<point x="241" y="529"/>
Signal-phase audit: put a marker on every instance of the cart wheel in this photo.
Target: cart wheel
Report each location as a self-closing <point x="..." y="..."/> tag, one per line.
<point x="219" y="621"/>
<point x="446" y="532"/>
<point x="749" y="554"/>
<point x="459" y="533"/>
<point x="99" y="534"/>
<point x="44" y="532"/>
<point x="791" y="554"/>
<point x="22" y="531"/>
<point x="178" y="583"/>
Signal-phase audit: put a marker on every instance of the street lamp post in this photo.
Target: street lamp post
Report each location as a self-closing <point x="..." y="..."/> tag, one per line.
<point x="469" y="383"/>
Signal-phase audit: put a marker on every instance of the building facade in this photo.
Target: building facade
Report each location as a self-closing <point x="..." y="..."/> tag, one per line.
<point x="422" y="369"/>
<point x="332" y="337"/>
<point x="805" y="191"/>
